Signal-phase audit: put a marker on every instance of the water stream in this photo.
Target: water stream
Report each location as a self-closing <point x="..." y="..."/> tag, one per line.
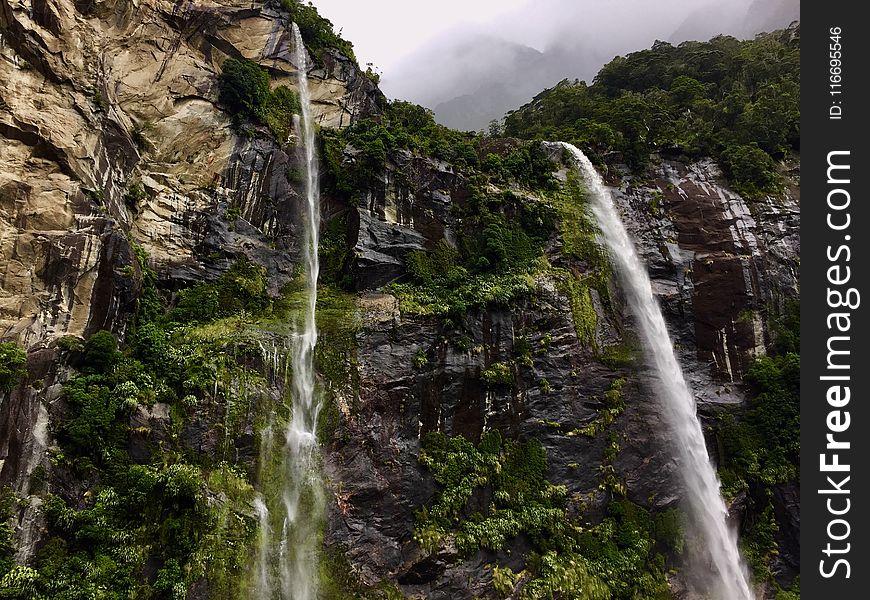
<point x="728" y="577"/>
<point x="287" y="566"/>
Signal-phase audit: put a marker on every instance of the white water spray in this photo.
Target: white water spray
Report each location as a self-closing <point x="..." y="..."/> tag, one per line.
<point x="728" y="576"/>
<point x="303" y="499"/>
<point x="289" y="571"/>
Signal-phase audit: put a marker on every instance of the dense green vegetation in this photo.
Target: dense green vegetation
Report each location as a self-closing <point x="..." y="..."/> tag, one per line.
<point x="734" y="100"/>
<point x="407" y="126"/>
<point x="317" y="32"/>
<point x="12" y="361"/>
<point x="152" y="527"/>
<point x="245" y="90"/>
<point x="182" y="512"/>
<point x="152" y="512"/>
<point x="496" y="491"/>
<point x="503" y="227"/>
<point x="761" y="444"/>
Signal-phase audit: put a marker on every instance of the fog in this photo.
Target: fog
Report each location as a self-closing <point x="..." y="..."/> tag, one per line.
<point x="473" y="60"/>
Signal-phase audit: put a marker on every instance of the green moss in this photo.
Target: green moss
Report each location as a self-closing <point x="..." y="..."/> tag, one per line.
<point x="497" y="374"/>
<point x="619" y="356"/>
<point x="613" y="406"/>
<point x="579" y="232"/>
<point x="582" y="309"/>
<point x="609" y="480"/>
<point x="224" y="551"/>
<point x="335" y="356"/>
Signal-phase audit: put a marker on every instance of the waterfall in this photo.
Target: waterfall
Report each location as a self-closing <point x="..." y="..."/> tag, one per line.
<point x="302" y="525"/>
<point x="728" y="577"/>
<point x="289" y="570"/>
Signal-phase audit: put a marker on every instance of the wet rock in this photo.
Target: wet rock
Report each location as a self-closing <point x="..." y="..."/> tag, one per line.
<point x="406" y="208"/>
<point x="149" y="426"/>
<point x="787" y="509"/>
<point x="720" y="265"/>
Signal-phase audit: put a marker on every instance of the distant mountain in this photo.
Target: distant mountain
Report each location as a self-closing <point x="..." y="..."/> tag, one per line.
<point x="759" y="16"/>
<point x="470" y="78"/>
<point x="500" y="84"/>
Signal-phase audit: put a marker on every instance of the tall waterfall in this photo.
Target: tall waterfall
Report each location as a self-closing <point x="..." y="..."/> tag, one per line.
<point x="292" y="504"/>
<point x="302" y="525"/>
<point x="728" y="577"/>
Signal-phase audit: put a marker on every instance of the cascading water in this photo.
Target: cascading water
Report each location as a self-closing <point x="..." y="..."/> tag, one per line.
<point x="301" y="531"/>
<point x="289" y="570"/>
<point x="729" y="577"/>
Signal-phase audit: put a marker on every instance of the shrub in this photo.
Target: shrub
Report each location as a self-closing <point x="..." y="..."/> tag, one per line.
<point x="100" y="353"/>
<point x="497" y="374"/>
<point x="246" y="92"/>
<point x="244" y="87"/>
<point x="619" y="558"/>
<point x="317" y="32"/>
<point x="751" y="170"/>
<point x="12" y="361"/>
<point x="243" y="287"/>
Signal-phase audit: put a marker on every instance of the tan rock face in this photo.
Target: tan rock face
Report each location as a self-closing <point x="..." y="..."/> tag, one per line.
<point x="100" y="98"/>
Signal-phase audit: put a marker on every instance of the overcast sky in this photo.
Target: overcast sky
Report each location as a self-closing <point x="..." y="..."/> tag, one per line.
<point x="384" y="31"/>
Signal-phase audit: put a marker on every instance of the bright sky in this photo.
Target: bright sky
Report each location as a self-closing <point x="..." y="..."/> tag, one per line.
<point x="382" y="31"/>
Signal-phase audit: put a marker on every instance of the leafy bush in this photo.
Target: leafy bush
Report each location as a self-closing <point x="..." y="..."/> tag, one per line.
<point x="12" y="361"/>
<point x="245" y="90"/>
<point x="751" y="170"/>
<point x="7" y="534"/>
<point x="100" y="353"/>
<point x="244" y="87"/>
<point x="156" y="512"/>
<point x="761" y="443"/>
<point x="335" y="252"/>
<point x="497" y="374"/>
<point x="244" y="287"/>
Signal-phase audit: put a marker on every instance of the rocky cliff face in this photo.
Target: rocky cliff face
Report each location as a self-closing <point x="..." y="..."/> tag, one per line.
<point x="113" y="139"/>
<point x="720" y="265"/>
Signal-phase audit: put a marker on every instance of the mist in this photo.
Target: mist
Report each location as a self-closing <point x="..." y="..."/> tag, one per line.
<point x="474" y="73"/>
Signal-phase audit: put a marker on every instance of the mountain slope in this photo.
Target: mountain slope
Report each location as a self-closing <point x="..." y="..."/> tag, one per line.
<point x="486" y="425"/>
